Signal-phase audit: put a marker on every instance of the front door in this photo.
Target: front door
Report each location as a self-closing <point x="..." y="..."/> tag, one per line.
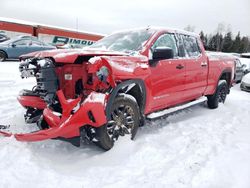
<point x="167" y="76"/>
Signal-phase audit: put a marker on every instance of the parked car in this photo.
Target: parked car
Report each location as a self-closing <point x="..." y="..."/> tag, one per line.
<point x="235" y="54"/>
<point x="107" y="90"/>
<point x="245" y="83"/>
<point x="3" y="38"/>
<point x="246" y="64"/>
<point x="13" y="48"/>
<point x="245" y="55"/>
<point x="239" y="73"/>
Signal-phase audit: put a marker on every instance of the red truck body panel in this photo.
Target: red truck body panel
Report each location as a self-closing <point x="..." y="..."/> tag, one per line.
<point x="169" y="83"/>
<point x="31" y="101"/>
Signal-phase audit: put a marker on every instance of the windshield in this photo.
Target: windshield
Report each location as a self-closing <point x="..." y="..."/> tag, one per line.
<point x="11" y="40"/>
<point x="124" y="41"/>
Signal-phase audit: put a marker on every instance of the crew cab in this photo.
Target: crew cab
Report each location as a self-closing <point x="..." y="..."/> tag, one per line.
<point x="107" y="90"/>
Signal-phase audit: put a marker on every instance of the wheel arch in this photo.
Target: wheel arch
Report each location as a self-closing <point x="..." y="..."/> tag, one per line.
<point x="226" y="75"/>
<point x="134" y="87"/>
<point x="4" y="52"/>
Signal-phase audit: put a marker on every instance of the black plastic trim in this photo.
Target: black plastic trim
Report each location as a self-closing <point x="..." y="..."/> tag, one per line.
<point x="119" y="87"/>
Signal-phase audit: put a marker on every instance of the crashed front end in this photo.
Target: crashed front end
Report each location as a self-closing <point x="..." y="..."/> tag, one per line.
<point x="67" y="125"/>
<point x="68" y="100"/>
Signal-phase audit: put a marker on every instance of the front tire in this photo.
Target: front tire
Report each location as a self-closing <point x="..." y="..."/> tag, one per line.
<point x="124" y="119"/>
<point x="219" y="95"/>
<point x="2" y="56"/>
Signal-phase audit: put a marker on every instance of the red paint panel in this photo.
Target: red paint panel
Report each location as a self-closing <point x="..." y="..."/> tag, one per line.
<point x="16" y="27"/>
<point x="32" y="101"/>
<point x="71" y="34"/>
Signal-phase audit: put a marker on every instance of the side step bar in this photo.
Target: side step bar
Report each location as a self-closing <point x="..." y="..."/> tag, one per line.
<point x="167" y="111"/>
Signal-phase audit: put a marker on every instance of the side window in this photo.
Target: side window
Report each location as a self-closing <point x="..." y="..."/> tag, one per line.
<point x="20" y="43"/>
<point x="36" y="43"/>
<point x="191" y="46"/>
<point x="166" y="40"/>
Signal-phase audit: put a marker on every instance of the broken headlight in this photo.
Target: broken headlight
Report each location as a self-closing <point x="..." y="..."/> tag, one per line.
<point x="102" y="74"/>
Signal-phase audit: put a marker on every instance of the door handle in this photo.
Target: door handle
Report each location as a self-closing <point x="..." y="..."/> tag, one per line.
<point x="179" y="66"/>
<point x="204" y="64"/>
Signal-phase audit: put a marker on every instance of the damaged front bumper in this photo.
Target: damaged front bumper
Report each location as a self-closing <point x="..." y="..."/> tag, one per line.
<point x="75" y="114"/>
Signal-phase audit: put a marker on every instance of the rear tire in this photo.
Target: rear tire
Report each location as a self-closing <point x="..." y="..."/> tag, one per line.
<point x="125" y="119"/>
<point x="219" y="95"/>
<point x="2" y="56"/>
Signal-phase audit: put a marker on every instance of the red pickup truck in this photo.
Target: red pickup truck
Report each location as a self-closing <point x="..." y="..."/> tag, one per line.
<point x="107" y="90"/>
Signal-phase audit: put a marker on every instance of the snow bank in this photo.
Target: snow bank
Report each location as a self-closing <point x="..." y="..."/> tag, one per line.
<point x="197" y="147"/>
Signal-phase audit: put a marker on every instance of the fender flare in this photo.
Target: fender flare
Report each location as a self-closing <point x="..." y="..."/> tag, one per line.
<point x="226" y="70"/>
<point x="114" y="93"/>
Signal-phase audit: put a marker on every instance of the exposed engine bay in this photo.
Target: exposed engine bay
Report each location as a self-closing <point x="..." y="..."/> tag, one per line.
<point x="75" y="80"/>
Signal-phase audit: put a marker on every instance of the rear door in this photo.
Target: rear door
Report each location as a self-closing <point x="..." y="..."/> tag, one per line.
<point x="196" y="68"/>
<point x="167" y="76"/>
<point x="35" y="46"/>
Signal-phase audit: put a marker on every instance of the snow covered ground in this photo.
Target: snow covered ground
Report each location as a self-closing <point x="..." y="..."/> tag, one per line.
<point x="197" y="147"/>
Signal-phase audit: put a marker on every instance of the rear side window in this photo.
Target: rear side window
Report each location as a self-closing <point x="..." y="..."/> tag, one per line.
<point x="24" y="42"/>
<point x="191" y="46"/>
<point x="166" y="40"/>
<point x="36" y="43"/>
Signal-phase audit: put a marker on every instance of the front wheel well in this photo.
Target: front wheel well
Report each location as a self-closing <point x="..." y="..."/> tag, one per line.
<point x="137" y="93"/>
<point x="226" y="76"/>
<point x="135" y="88"/>
<point x="4" y="53"/>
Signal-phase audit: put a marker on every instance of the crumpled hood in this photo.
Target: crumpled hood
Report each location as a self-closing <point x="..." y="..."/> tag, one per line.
<point x="70" y="55"/>
<point x="122" y="67"/>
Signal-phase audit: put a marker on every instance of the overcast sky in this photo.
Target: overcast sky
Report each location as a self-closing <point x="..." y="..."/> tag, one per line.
<point x="105" y="16"/>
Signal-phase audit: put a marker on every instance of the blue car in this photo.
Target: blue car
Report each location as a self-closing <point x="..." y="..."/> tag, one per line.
<point x="13" y="48"/>
<point x="3" y="38"/>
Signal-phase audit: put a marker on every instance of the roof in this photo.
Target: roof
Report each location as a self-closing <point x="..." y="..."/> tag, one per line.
<point x="156" y="28"/>
<point x="181" y="31"/>
<point x="23" y="22"/>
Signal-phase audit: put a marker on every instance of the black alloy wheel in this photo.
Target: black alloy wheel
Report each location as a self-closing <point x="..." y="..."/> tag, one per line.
<point x="219" y="96"/>
<point x="124" y="119"/>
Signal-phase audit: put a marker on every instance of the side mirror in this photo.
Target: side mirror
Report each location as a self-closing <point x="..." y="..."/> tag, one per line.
<point x="13" y="45"/>
<point x="161" y="53"/>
